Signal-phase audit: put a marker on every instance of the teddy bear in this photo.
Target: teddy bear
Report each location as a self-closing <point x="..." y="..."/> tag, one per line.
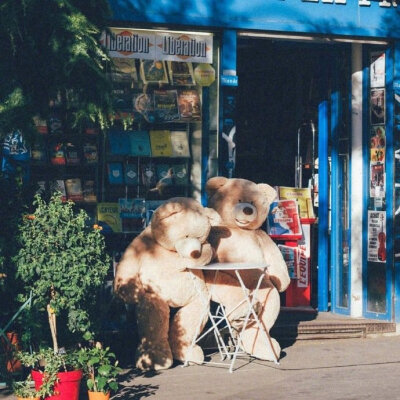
<point x="153" y="275"/>
<point x="243" y="207"/>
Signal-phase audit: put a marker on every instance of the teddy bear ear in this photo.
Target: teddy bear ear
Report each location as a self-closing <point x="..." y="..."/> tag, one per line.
<point x="213" y="184"/>
<point x="268" y="191"/>
<point x="166" y="210"/>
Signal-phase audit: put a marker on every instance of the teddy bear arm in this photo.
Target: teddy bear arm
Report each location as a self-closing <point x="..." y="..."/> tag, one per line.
<point x="277" y="268"/>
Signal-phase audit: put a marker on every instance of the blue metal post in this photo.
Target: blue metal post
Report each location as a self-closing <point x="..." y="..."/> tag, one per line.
<point x="323" y="211"/>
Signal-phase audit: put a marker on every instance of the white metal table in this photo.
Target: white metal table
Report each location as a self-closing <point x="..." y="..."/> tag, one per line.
<point x="221" y="315"/>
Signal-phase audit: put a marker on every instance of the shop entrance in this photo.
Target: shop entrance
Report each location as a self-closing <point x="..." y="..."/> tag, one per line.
<point x="282" y="88"/>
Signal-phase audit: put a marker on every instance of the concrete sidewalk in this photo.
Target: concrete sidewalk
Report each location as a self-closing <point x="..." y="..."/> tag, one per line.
<point x="346" y="369"/>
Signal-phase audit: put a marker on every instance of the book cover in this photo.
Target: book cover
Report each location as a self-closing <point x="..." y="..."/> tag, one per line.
<point x="181" y="73"/>
<point x="160" y="141"/>
<point x="115" y="175"/>
<point x="131" y="174"/>
<point x="122" y="99"/>
<point x="58" y="185"/>
<point x="303" y="197"/>
<point x="39" y="153"/>
<point x="143" y="106"/>
<point x="162" y="170"/>
<point x="119" y="142"/>
<point x="55" y="124"/>
<point x="139" y="143"/>
<point x="73" y="188"/>
<point x="124" y="70"/>
<point x="283" y="220"/>
<point x="57" y="154"/>
<point x="89" y="192"/>
<point x="72" y="154"/>
<point x="108" y="217"/>
<point x="166" y="105"/>
<point x="189" y="105"/>
<point x="133" y="214"/>
<point x="90" y="153"/>
<point x="180" y="144"/>
<point x="148" y="174"/>
<point x="181" y="174"/>
<point x="290" y="257"/>
<point x="41" y="125"/>
<point x="153" y="71"/>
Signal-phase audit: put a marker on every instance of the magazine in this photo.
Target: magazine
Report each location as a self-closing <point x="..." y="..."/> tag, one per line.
<point x="73" y="188"/>
<point x="115" y="176"/>
<point x="297" y="263"/>
<point x="180" y="144"/>
<point x="57" y="154"/>
<point x="151" y="206"/>
<point x="72" y="154"/>
<point x="119" y="142"/>
<point x="189" y="105"/>
<point x="108" y="217"/>
<point x="139" y="143"/>
<point x="124" y="70"/>
<point x="148" y="174"/>
<point x="303" y="197"/>
<point x="153" y="71"/>
<point x="181" y="73"/>
<point x="131" y="174"/>
<point x="38" y="153"/>
<point x="160" y="141"/>
<point x="90" y="154"/>
<point x="41" y="125"/>
<point x="181" y="174"/>
<point x="283" y="220"/>
<point x="143" y="106"/>
<point x="166" y="105"/>
<point x="89" y="194"/>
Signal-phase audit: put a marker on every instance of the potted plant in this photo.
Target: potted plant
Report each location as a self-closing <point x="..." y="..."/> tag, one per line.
<point x="101" y="370"/>
<point x="63" y="263"/>
<point x="24" y="390"/>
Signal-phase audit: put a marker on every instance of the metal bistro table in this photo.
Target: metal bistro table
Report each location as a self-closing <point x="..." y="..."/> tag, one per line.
<point x="221" y="315"/>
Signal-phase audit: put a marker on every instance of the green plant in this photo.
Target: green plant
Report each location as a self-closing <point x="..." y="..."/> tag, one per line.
<point x="50" y="364"/>
<point x="24" y="389"/>
<point x="63" y="262"/>
<point x="100" y="367"/>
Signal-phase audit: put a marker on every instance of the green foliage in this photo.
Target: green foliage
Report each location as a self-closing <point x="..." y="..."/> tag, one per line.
<point x="51" y="48"/>
<point x="62" y="261"/>
<point x="24" y="389"/>
<point x="100" y="367"/>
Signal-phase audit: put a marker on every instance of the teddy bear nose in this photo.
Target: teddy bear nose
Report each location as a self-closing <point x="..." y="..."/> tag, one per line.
<point x="195" y="254"/>
<point x="247" y="210"/>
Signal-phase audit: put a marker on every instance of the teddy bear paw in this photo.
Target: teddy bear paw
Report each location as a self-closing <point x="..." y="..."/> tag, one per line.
<point x="193" y="355"/>
<point x="153" y="359"/>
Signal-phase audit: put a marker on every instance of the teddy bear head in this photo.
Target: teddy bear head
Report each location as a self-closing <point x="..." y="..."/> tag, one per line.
<point x="182" y="224"/>
<point x="240" y="203"/>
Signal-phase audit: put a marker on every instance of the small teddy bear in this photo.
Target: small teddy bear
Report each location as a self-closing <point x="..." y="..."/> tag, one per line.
<point x="243" y="207"/>
<point x="153" y="275"/>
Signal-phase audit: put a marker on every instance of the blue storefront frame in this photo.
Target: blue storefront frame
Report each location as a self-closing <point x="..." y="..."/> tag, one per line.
<point x="319" y="20"/>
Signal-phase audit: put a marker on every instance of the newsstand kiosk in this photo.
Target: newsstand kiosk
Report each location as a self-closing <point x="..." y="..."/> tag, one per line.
<point x="289" y="223"/>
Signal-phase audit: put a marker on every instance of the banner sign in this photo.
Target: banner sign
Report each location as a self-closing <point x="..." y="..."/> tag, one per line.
<point x="156" y="45"/>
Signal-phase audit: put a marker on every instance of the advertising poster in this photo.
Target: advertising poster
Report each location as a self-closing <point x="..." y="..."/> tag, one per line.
<point x="377" y="180"/>
<point x="378" y="109"/>
<point x="377" y="236"/>
<point x="303" y="197"/>
<point x="377" y="72"/>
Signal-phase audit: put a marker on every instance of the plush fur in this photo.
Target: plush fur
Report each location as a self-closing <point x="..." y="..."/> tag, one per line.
<point x="243" y="206"/>
<point x="152" y="274"/>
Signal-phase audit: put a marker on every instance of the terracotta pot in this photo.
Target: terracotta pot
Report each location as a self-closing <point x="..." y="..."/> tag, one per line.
<point x="27" y="398"/>
<point x="98" y="395"/>
<point x="9" y="348"/>
<point x="67" y="387"/>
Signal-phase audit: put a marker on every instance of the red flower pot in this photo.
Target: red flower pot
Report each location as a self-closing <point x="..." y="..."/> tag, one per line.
<point x="67" y="387"/>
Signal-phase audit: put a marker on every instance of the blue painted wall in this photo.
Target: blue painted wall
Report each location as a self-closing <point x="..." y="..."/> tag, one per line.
<point x="271" y="15"/>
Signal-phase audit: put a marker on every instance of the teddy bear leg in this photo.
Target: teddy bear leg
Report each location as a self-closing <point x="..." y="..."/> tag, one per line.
<point x="153" y="352"/>
<point x="184" y="327"/>
<point x="254" y="341"/>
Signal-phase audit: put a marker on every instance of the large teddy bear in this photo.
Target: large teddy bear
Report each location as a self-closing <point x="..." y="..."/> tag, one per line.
<point x="152" y="274"/>
<point x="243" y="206"/>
